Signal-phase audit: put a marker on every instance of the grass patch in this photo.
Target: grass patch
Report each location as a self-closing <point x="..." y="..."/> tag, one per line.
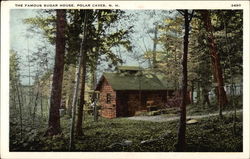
<point x="200" y="109"/>
<point x="208" y="135"/>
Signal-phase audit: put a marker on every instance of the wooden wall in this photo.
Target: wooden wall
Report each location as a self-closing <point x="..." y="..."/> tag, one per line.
<point x="108" y="110"/>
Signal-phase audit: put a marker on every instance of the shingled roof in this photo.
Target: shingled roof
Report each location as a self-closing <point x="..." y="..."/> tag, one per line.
<point x="124" y="81"/>
<point x="129" y="68"/>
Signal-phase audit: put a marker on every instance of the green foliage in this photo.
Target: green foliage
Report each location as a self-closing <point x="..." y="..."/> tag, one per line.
<point x="209" y="135"/>
<point x="229" y="35"/>
<point x="102" y="33"/>
<point x="169" y="59"/>
<point x="44" y="23"/>
<point x="14" y="67"/>
<point x="14" y="78"/>
<point x="216" y="136"/>
<point x="199" y="109"/>
<point x="199" y="59"/>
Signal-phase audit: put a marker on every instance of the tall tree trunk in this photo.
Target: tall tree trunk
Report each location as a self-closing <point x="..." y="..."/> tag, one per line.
<point x="215" y="57"/>
<point x="75" y="94"/>
<point x="22" y="94"/>
<point x="94" y="68"/>
<point x="198" y="98"/>
<point x="13" y="96"/>
<point x="82" y="99"/>
<point x="94" y="95"/>
<point x="93" y="80"/>
<point x="154" y="45"/>
<point x="56" y="92"/>
<point x="192" y="93"/>
<point x="20" y="110"/>
<point x="95" y="109"/>
<point x="35" y="108"/>
<point x="41" y="103"/>
<point x="69" y="104"/>
<point x="180" y="147"/>
<point x="74" y="102"/>
<point x="205" y="97"/>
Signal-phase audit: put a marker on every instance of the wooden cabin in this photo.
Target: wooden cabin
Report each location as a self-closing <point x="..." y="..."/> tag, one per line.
<point x="128" y="91"/>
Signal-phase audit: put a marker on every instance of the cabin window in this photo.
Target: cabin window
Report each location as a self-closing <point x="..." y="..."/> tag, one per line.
<point x="108" y="98"/>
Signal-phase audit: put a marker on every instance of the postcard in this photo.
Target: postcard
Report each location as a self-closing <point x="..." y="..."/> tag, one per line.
<point x="125" y="79"/>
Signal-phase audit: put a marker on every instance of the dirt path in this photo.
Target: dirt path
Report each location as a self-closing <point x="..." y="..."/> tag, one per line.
<point x="160" y="118"/>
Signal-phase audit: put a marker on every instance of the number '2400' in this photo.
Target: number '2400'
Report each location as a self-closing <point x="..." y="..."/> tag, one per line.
<point x="235" y="5"/>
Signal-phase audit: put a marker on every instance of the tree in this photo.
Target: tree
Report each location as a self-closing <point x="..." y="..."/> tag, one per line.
<point x="180" y="147"/>
<point x="215" y="58"/>
<point x="82" y="63"/>
<point x="229" y="27"/>
<point x="169" y="59"/>
<point x="99" y="42"/>
<point x="15" y="84"/>
<point x="199" y="65"/>
<point x="55" y="102"/>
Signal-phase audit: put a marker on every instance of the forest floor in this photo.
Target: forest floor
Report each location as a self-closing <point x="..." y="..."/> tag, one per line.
<point x="211" y="134"/>
<point x="164" y="118"/>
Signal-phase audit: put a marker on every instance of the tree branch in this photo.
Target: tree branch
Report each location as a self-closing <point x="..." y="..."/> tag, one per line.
<point x="191" y="16"/>
<point x="181" y="12"/>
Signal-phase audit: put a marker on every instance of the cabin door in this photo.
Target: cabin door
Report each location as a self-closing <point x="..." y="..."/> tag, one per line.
<point x="124" y="105"/>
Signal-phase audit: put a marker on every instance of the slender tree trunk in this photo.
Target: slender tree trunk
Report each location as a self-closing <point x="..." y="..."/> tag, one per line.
<point x="95" y="109"/>
<point x="35" y="103"/>
<point x="217" y="70"/>
<point x="41" y="103"/>
<point x="82" y="99"/>
<point x="69" y="105"/>
<point x="49" y="88"/>
<point x="198" y="92"/>
<point x="20" y="111"/>
<point x="56" y="92"/>
<point x="35" y="108"/>
<point x="74" y="102"/>
<point x="14" y="97"/>
<point x="22" y="95"/>
<point x="205" y="97"/>
<point x="234" y="106"/>
<point x="192" y="93"/>
<point x="154" y="45"/>
<point x="80" y="60"/>
<point x="94" y="95"/>
<point x="93" y="80"/>
<point x="181" y="144"/>
<point x="176" y="83"/>
<point x="99" y="27"/>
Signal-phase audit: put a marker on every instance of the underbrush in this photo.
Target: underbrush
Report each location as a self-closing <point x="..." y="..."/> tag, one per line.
<point x="107" y="135"/>
<point x="199" y="108"/>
